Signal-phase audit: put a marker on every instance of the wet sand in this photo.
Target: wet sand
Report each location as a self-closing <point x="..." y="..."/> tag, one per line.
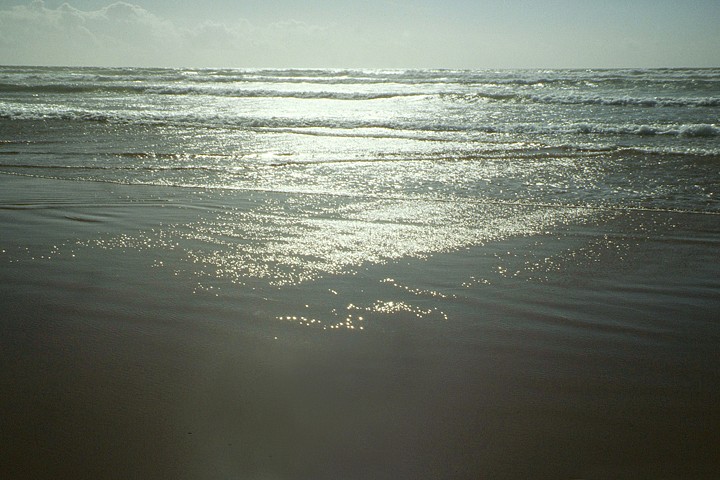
<point x="588" y="351"/>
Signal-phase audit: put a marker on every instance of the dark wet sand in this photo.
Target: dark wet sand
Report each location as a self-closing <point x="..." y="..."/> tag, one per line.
<point x="588" y="352"/>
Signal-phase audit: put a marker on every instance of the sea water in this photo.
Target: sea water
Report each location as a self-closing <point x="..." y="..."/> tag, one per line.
<point x="423" y="154"/>
<point x="601" y="138"/>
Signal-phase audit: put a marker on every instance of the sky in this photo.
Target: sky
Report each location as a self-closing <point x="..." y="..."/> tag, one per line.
<point x="464" y="34"/>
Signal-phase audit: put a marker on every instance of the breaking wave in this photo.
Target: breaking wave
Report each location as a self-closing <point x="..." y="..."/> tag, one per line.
<point x="218" y="119"/>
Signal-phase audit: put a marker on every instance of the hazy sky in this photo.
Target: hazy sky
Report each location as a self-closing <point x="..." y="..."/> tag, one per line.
<point x="369" y="33"/>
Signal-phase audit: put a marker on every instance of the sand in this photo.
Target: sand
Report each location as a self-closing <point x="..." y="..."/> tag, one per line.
<point x="587" y="351"/>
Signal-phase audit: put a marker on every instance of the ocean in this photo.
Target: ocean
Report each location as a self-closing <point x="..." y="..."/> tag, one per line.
<point x="598" y="138"/>
<point x="266" y="273"/>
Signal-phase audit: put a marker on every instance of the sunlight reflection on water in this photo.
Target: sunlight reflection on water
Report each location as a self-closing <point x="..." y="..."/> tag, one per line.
<point x="289" y="239"/>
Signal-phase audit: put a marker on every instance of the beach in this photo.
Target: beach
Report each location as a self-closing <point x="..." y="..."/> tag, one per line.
<point x="140" y="341"/>
<point x="359" y="274"/>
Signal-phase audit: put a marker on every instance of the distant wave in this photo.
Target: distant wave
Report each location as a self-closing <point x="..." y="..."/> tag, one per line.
<point x="626" y="101"/>
<point x="269" y="93"/>
<point x="224" y="91"/>
<point x="575" y="99"/>
<point x="414" y="76"/>
<point x="210" y="90"/>
<point x="214" y="119"/>
<point x="67" y="88"/>
<point x="697" y="130"/>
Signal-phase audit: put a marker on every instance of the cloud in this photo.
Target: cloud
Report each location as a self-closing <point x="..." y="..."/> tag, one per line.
<point x="118" y="33"/>
<point x="127" y="34"/>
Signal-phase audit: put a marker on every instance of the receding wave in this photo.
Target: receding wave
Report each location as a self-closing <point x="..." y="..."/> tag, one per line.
<point x="127" y="168"/>
<point x="619" y="205"/>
